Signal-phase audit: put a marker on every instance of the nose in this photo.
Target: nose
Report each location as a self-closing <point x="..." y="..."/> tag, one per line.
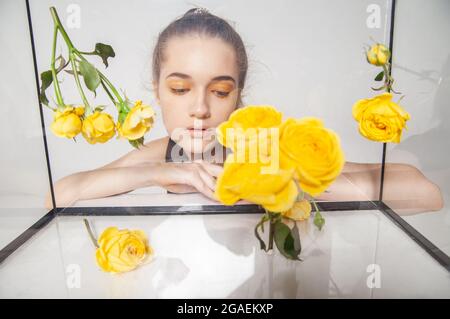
<point x="200" y="108"/>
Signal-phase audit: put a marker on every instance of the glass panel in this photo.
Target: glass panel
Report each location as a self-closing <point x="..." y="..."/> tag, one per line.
<point x="305" y="64"/>
<point x="222" y="251"/>
<point x="353" y="257"/>
<point x="403" y="269"/>
<point x="307" y="61"/>
<point x="23" y="169"/>
<point x="218" y="244"/>
<point x="36" y="269"/>
<point x="422" y="73"/>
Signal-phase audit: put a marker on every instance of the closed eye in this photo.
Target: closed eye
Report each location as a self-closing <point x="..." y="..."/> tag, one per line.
<point x="221" y="94"/>
<point x="179" y="91"/>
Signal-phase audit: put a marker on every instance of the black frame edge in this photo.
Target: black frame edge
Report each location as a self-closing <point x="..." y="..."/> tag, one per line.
<point x="26" y="235"/>
<point x="441" y="257"/>
<point x="41" y="112"/>
<point x="199" y="209"/>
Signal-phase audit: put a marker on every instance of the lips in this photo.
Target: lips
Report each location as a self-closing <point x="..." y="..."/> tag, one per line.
<point x="199" y="132"/>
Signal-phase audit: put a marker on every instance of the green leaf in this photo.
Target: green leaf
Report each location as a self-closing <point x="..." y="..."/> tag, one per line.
<point x="262" y="244"/>
<point x="62" y="63"/>
<point x="104" y="51"/>
<point x="47" y="78"/>
<point x="122" y="115"/>
<point x="137" y="143"/>
<point x="90" y="75"/>
<point x="287" y="241"/>
<point x="261" y="224"/>
<point x="71" y="71"/>
<point x="379" y="76"/>
<point x="99" y="108"/>
<point x="296" y="235"/>
<point x="379" y="89"/>
<point x="319" y="221"/>
<point x="46" y="81"/>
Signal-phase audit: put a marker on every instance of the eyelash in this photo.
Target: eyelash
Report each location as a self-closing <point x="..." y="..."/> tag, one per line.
<point x="219" y="94"/>
<point x="179" y="91"/>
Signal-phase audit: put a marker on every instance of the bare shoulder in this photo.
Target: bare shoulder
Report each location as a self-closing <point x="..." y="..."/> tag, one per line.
<point x="151" y="152"/>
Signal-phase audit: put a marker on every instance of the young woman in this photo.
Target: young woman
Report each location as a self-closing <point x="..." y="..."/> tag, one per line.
<point x="199" y="72"/>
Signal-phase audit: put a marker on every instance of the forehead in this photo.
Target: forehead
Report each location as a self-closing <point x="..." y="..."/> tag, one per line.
<point x="199" y="56"/>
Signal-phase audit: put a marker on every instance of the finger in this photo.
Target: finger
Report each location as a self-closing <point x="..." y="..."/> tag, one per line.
<point x="212" y="169"/>
<point x="181" y="188"/>
<point x="202" y="187"/>
<point x="208" y="179"/>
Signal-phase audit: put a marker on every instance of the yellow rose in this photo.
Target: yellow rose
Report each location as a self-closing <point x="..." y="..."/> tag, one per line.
<point x="275" y="192"/>
<point x="137" y="122"/>
<point x="301" y="210"/>
<point x="378" y="55"/>
<point x="313" y="150"/>
<point x="246" y="124"/>
<point x="98" y="127"/>
<point x="67" y="123"/>
<point x="380" y="119"/>
<point x="122" y="250"/>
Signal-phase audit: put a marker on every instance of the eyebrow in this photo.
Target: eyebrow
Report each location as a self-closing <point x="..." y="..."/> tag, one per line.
<point x="217" y="78"/>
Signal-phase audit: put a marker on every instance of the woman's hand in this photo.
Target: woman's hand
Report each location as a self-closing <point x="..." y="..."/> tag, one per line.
<point x="197" y="176"/>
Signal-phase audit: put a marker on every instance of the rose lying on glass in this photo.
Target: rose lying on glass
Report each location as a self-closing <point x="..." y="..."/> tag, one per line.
<point x="120" y="250"/>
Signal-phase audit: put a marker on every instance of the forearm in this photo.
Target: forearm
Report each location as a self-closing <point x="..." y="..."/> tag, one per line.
<point x="406" y="189"/>
<point x="348" y="188"/>
<point x="409" y="192"/>
<point x="103" y="182"/>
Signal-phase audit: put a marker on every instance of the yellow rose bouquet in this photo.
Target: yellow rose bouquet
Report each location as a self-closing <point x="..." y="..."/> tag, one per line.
<point x="279" y="165"/>
<point x="379" y="118"/>
<point x="95" y="125"/>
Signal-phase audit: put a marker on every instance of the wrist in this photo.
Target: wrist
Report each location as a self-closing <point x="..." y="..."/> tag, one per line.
<point x="154" y="174"/>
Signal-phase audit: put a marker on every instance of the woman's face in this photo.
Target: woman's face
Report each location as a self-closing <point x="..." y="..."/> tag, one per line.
<point x="197" y="89"/>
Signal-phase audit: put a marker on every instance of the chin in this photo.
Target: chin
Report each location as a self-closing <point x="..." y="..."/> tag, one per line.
<point x="198" y="146"/>
<point x="195" y="142"/>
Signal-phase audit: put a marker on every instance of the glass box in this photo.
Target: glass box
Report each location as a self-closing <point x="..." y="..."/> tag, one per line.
<point x="387" y="220"/>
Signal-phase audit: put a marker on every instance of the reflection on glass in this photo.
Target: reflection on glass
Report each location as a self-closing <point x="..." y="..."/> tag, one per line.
<point x="23" y="169"/>
<point x="424" y="76"/>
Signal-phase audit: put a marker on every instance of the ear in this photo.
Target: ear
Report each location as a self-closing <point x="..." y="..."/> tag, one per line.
<point x="156" y="90"/>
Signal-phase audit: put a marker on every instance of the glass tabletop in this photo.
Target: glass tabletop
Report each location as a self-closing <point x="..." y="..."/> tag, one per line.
<point x="359" y="254"/>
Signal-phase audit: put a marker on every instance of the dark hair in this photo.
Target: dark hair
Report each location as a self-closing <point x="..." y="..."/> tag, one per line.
<point x="200" y="21"/>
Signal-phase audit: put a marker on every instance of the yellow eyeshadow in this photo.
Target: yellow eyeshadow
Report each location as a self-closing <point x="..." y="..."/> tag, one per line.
<point x="225" y="87"/>
<point x="178" y="85"/>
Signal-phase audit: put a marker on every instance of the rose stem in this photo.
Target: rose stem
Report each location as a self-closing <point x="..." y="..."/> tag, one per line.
<point x="88" y="227"/>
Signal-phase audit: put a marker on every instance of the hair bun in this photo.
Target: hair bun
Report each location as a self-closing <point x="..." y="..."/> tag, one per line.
<point x="195" y="11"/>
